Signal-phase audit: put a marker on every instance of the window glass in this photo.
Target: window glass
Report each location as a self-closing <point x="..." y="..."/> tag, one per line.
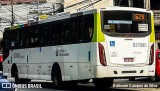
<point x="22" y="41"/>
<point x="57" y="32"/>
<point x="34" y="36"/>
<point x="6" y="41"/>
<point x="69" y="33"/>
<point x="86" y="28"/>
<point x="45" y="36"/>
<point x="13" y="38"/>
<point x="125" y="22"/>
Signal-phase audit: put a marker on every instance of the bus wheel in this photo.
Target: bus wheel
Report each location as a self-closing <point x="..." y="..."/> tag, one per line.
<point x="103" y="82"/>
<point x="154" y="78"/>
<point x="14" y="73"/>
<point x="56" y="76"/>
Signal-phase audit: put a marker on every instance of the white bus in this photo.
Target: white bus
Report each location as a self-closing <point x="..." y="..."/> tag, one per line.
<point x="103" y="44"/>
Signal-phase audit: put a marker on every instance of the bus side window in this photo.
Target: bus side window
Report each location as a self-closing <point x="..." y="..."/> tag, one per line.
<point x="86" y="27"/>
<point x="81" y="29"/>
<point x="35" y="38"/>
<point x="6" y="42"/>
<point x="73" y="31"/>
<point x="17" y="43"/>
<point x="13" y="39"/>
<point x="43" y="33"/>
<point x="66" y="31"/>
<point x="22" y="39"/>
<point x="58" y="32"/>
<point x="53" y="35"/>
<point x="89" y="25"/>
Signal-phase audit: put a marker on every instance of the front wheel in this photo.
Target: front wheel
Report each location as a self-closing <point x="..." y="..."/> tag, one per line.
<point x="16" y="77"/>
<point x="103" y="82"/>
<point x="14" y="73"/>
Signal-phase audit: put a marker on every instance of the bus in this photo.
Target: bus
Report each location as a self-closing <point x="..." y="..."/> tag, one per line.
<point x="96" y="46"/>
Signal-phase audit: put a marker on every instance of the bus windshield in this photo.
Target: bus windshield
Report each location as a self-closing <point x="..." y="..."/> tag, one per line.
<point x="118" y="22"/>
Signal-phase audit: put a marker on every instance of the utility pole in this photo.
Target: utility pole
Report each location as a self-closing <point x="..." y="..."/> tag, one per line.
<point x="12" y="21"/>
<point x="37" y="11"/>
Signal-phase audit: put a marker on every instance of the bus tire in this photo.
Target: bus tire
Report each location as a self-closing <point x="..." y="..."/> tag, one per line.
<point x="103" y="82"/>
<point x="56" y="76"/>
<point x="14" y="73"/>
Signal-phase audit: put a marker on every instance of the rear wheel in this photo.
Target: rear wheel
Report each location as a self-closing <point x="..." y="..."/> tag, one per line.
<point x="56" y="76"/>
<point x="103" y="82"/>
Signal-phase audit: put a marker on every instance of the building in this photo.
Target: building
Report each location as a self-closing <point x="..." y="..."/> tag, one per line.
<point x="7" y="2"/>
<point x="80" y="5"/>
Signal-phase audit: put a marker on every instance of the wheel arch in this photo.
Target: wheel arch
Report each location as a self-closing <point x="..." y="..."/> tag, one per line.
<point x="59" y="69"/>
<point x="14" y="69"/>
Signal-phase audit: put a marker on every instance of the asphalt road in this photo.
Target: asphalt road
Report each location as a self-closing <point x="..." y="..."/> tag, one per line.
<point x="142" y="84"/>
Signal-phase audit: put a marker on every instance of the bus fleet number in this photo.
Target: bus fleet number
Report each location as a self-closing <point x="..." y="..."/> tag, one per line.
<point x="139" y="44"/>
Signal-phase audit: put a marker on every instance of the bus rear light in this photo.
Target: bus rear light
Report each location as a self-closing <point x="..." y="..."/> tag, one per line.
<point x="102" y="55"/>
<point x="151" y="57"/>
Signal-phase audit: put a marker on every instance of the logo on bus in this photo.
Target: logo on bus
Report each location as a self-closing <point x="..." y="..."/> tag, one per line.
<point x="18" y="55"/>
<point x="61" y="52"/>
<point x="112" y="43"/>
<point x="139" y="44"/>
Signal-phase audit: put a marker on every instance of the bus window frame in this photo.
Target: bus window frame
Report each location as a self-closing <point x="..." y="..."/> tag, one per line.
<point x="125" y="34"/>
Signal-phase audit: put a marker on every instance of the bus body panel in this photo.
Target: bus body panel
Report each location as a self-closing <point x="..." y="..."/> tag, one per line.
<point x="123" y="52"/>
<point x="40" y="63"/>
<point x="135" y="48"/>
